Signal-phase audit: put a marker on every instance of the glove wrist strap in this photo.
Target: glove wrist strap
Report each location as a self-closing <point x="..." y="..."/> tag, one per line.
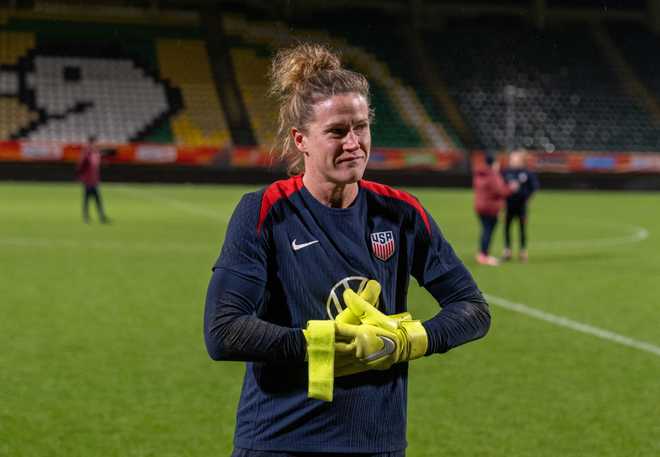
<point x="417" y="338"/>
<point x="320" y="336"/>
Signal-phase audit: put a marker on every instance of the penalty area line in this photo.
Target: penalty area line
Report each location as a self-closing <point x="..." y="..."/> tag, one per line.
<point x="573" y="325"/>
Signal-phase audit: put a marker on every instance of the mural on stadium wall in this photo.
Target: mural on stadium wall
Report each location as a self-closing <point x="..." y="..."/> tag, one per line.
<point x="69" y="92"/>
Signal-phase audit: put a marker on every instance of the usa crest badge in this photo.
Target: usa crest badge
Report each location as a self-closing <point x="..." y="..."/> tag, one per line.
<point x="382" y="244"/>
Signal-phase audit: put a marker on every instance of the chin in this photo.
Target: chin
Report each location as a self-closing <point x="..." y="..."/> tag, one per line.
<point x="349" y="175"/>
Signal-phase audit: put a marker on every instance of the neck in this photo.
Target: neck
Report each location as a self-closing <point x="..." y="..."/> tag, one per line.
<point x="331" y="194"/>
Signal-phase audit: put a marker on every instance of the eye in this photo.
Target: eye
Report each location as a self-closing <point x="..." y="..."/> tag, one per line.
<point x="337" y="132"/>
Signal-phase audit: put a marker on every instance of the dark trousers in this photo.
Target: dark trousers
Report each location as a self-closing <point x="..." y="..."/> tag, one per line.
<point x="488" y="224"/>
<point x="515" y="212"/>
<point x="92" y="192"/>
<point x="249" y="453"/>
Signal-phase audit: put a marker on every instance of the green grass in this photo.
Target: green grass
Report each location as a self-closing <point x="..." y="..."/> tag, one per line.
<point x="101" y="329"/>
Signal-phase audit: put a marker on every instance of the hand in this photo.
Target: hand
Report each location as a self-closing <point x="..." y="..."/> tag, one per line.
<point x="346" y="362"/>
<point x="381" y="340"/>
<point x="370" y="293"/>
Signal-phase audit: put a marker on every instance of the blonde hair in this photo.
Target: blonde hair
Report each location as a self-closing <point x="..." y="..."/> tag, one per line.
<point x="300" y="77"/>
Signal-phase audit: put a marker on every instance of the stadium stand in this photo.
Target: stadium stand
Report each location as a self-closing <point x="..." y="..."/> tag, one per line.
<point x="252" y="65"/>
<point x="395" y="47"/>
<point x="572" y="87"/>
<point x="565" y="94"/>
<point x="181" y="84"/>
<point x="64" y="80"/>
<point x="636" y="44"/>
<point x="203" y="122"/>
<point x="401" y="119"/>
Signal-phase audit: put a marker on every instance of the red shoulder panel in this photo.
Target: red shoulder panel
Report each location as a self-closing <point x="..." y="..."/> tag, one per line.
<point x="276" y="191"/>
<point x="387" y="191"/>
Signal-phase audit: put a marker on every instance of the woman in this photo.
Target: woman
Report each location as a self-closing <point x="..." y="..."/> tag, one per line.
<point x="517" y="174"/>
<point x="294" y="248"/>
<point x="88" y="171"/>
<point x="490" y="193"/>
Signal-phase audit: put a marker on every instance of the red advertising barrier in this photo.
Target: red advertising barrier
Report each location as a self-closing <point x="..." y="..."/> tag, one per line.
<point x="145" y="153"/>
<point x="18" y="151"/>
<point x="584" y="162"/>
<point x="381" y="158"/>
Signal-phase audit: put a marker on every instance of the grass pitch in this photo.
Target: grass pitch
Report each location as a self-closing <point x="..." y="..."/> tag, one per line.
<point x="103" y="354"/>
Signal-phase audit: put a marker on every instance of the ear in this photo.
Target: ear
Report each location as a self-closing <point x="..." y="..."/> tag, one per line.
<point x="299" y="139"/>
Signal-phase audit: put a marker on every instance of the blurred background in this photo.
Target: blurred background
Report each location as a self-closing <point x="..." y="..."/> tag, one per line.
<point x="183" y="84"/>
<point x="101" y="324"/>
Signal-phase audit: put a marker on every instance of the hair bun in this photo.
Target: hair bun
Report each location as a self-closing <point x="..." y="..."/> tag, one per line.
<point x="293" y="66"/>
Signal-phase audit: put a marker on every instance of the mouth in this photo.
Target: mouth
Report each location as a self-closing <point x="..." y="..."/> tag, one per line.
<point x="349" y="160"/>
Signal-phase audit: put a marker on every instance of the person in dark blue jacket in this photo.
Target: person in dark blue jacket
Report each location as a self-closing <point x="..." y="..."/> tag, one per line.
<point x="296" y="249"/>
<point x="516" y="203"/>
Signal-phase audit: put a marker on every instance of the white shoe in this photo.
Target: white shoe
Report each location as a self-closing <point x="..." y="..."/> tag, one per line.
<point x="489" y="260"/>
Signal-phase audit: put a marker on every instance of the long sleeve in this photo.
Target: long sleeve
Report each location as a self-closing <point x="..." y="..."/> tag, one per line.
<point x="499" y="186"/>
<point x="237" y="289"/>
<point x="233" y="332"/>
<point x="464" y="316"/>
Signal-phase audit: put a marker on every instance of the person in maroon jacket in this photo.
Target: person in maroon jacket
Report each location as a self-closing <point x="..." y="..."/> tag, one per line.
<point x="490" y="193"/>
<point x="88" y="172"/>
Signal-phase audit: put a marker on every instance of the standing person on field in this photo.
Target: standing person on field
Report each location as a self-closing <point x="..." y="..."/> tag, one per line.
<point x="517" y="174"/>
<point x="313" y="269"/>
<point x="88" y="172"/>
<point x="490" y="192"/>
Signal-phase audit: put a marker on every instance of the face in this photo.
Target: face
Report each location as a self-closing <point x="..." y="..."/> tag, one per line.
<point x="336" y="143"/>
<point x="517" y="159"/>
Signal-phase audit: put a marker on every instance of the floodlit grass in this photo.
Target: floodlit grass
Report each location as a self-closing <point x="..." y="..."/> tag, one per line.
<point x="103" y="355"/>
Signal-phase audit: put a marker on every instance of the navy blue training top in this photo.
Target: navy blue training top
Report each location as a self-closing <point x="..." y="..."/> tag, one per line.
<point x="287" y="259"/>
<point x="528" y="184"/>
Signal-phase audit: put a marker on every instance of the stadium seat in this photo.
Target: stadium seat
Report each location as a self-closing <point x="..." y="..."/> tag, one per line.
<point x="566" y="95"/>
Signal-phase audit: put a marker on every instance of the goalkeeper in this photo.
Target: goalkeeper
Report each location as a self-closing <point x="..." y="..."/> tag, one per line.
<point x="291" y="283"/>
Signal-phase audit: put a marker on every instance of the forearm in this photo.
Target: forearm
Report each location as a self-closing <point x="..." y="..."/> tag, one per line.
<point x="464" y="316"/>
<point x="233" y="332"/>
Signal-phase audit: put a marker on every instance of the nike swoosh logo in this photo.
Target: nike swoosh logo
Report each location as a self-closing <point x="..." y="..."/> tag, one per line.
<point x="388" y="348"/>
<point x="297" y="247"/>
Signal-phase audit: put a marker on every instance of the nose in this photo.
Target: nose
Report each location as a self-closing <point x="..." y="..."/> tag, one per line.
<point x="352" y="141"/>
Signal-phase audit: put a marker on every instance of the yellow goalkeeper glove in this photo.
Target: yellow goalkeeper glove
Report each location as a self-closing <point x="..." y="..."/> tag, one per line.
<point x="323" y="362"/>
<point x="346" y="362"/>
<point x="381" y="340"/>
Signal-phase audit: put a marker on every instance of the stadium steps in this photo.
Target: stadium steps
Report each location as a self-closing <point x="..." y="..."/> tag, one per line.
<point x="405" y="99"/>
<point x="437" y="89"/>
<point x="389" y="44"/>
<point x="224" y="75"/>
<point x="625" y="72"/>
<point x="202" y="121"/>
<point x="252" y="73"/>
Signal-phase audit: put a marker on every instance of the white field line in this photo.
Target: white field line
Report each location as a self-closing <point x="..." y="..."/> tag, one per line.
<point x="133" y="245"/>
<point x="573" y="325"/>
<point x="106" y="244"/>
<point x="635" y="235"/>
